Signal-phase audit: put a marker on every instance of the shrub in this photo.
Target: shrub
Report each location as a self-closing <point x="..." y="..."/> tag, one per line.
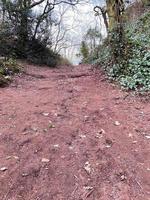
<point x="132" y="70"/>
<point x="7" y="69"/>
<point x="38" y="53"/>
<point x="63" y="61"/>
<point x="35" y="51"/>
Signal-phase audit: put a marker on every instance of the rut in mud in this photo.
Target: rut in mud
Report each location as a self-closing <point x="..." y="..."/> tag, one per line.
<point x="69" y="134"/>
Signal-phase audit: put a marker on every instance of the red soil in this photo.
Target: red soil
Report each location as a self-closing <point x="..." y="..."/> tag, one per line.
<point x="94" y="138"/>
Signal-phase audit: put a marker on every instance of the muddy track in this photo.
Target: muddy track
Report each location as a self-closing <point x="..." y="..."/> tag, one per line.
<point x="69" y="134"/>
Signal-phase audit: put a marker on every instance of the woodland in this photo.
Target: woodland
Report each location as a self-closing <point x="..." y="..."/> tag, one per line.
<point x="74" y="99"/>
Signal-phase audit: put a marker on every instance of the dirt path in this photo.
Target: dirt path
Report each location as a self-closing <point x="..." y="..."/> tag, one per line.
<point x="66" y="134"/>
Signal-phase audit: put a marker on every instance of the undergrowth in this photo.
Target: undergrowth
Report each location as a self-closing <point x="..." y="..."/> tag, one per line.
<point x="8" y="67"/>
<point x="133" y="70"/>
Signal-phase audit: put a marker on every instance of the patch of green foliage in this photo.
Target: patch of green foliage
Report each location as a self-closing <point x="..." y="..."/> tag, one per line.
<point x="84" y="52"/>
<point x="7" y="69"/>
<point x="128" y="62"/>
<point x="40" y="54"/>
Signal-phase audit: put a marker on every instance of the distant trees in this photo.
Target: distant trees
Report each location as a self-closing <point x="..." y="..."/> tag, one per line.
<point x="89" y="45"/>
<point x="84" y="51"/>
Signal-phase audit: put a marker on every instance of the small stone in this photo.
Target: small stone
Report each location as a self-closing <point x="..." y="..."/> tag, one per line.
<point x="3" y="169"/>
<point x="25" y="174"/>
<point x="62" y="156"/>
<point x="108" y="141"/>
<point x="117" y="123"/>
<point x="147" y="136"/>
<point x="46" y="114"/>
<point x="45" y="160"/>
<point x="108" y="146"/>
<point x="82" y="136"/>
<point x="56" y="145"/>
<point x="71" y="147"/>
<point x="8" y="78"/>
<point x="88" y="188"/>
<point x="86" y="118"/>
<point x="87" y="167"/>
<point x="130" y="135"/>
<point x="101" y="131"/>
<point x="123" y="177"/>
<point x="56" y="114"/>
<point x="134" y="142"/>
<point x="35" y="129"/>
<point x="148" y="169"/>
<point x="8" y="157"/>
<point x="24" y="133"/>
<point x="16" y="157"/>
<point x="51" y="125"/>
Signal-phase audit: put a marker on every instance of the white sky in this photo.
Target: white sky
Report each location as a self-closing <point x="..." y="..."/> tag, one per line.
<point x="80" y="19"/>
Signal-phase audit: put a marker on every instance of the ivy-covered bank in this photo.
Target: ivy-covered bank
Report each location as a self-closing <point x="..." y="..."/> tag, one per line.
<point x="132" y="66"/>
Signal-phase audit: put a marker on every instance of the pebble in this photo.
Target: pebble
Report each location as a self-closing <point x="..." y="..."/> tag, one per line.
<point x="25" y="174"/>
<point x="82" y="136"/>
<point x="130" y="135"/>
<point x="3" y="169"/>
<point x="46" y="114"/>
<point x="123" y="177"/>
<point x="56" y="145"/>
<point x="117" y="123"/>
<point x="134" y="142"/>
<point x="147" y="136"/>
<point x="45" y="160"/>
<point x="87" y="167"/>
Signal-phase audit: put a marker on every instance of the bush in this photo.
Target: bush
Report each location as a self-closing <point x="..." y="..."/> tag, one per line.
<point x="38" y="53"/>
<point x="8" y="41"/>
<point x="35" y="51"/>
<point x="7" y="69"/>
<point x="133" y="70"/>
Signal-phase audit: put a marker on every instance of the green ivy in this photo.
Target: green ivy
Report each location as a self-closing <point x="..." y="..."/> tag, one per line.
<point x="132" y="70"/>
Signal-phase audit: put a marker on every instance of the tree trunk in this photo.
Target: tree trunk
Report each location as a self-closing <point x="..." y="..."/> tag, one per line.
<point x="115" y="11"/>
<point x="23" y="28"/>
